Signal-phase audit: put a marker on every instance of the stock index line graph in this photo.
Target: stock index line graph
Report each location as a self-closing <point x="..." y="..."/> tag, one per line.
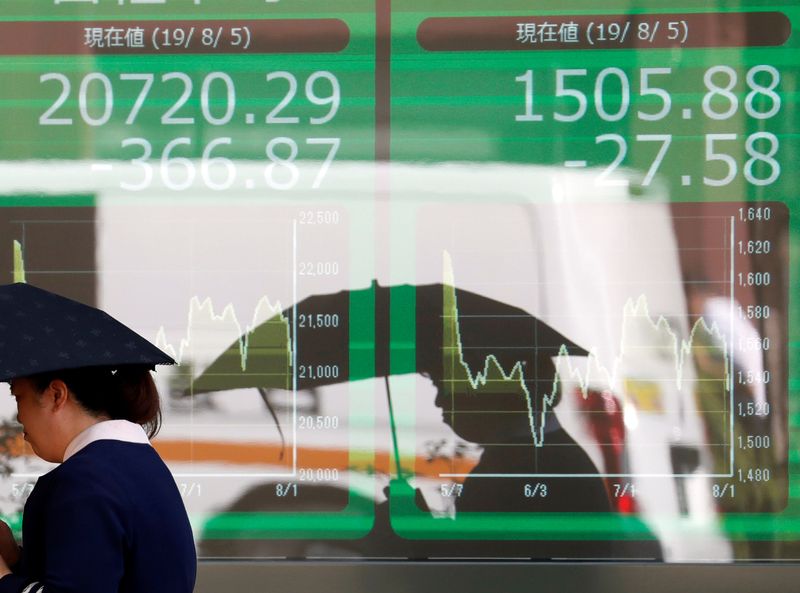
<point x="263" y="355"/>
<point x="679" y="342"/>
<point x="264" y="313"/>
<point x="271" y="356"/>
<point x="590" y="372"/>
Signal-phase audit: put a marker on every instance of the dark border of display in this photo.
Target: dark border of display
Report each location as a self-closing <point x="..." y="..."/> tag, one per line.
<point x="479" y="577"/>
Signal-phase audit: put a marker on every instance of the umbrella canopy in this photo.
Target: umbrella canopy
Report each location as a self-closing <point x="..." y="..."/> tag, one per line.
<point x="41" y="331"/>
<point x="452" y="327"/>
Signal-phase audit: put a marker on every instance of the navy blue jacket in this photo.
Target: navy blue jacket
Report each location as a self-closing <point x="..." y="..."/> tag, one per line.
<point x="107" y="520"/>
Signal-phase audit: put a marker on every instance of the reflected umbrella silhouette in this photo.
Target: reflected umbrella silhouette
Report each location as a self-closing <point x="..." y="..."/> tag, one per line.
<point x="268" y="353"/>
<point x="493" y="366"/>
<point x="471" y="346"/>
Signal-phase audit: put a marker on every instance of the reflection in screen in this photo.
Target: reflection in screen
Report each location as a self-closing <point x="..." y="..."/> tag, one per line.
<point x="433" y="295"/>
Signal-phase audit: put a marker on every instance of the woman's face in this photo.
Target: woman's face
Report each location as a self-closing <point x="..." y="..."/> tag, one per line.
<point x="34" y="415"/>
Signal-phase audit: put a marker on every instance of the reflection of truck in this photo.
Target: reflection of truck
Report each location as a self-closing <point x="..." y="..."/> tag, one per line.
<point x="602" y="269"/>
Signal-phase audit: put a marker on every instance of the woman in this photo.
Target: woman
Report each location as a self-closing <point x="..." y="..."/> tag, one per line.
<point x="109" y="517"/>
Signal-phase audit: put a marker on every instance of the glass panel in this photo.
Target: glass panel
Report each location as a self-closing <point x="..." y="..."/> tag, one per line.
<point x="471" y="281"/>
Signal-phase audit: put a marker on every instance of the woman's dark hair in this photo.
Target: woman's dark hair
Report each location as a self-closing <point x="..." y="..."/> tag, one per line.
<point x="124" y="392"/>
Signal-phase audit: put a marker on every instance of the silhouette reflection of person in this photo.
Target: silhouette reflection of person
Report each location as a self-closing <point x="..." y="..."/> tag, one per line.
<point x="520" y="467"/>
<point x="459" y="336"/>
<point x="492" y="365"/>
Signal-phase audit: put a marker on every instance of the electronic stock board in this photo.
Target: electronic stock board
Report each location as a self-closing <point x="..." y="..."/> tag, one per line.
<point x="447" y="282"/>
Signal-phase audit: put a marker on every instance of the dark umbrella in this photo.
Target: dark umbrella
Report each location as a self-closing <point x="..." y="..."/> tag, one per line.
<point x="41" y="331"/>
<point x="459" y="339"/>
<point x="486" y="328"/>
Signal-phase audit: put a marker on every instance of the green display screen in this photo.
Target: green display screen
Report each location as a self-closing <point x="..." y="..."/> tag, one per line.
<point x="464" y="281"/>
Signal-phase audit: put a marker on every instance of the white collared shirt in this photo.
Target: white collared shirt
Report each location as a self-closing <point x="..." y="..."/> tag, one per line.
<point x="115" y="430"/>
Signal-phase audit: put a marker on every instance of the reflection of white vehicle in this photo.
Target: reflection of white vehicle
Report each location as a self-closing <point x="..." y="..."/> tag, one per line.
<point x="194" y="273"/>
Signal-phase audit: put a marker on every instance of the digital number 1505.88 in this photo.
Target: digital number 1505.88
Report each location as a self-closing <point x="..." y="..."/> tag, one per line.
<point x="611" y="92"/>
